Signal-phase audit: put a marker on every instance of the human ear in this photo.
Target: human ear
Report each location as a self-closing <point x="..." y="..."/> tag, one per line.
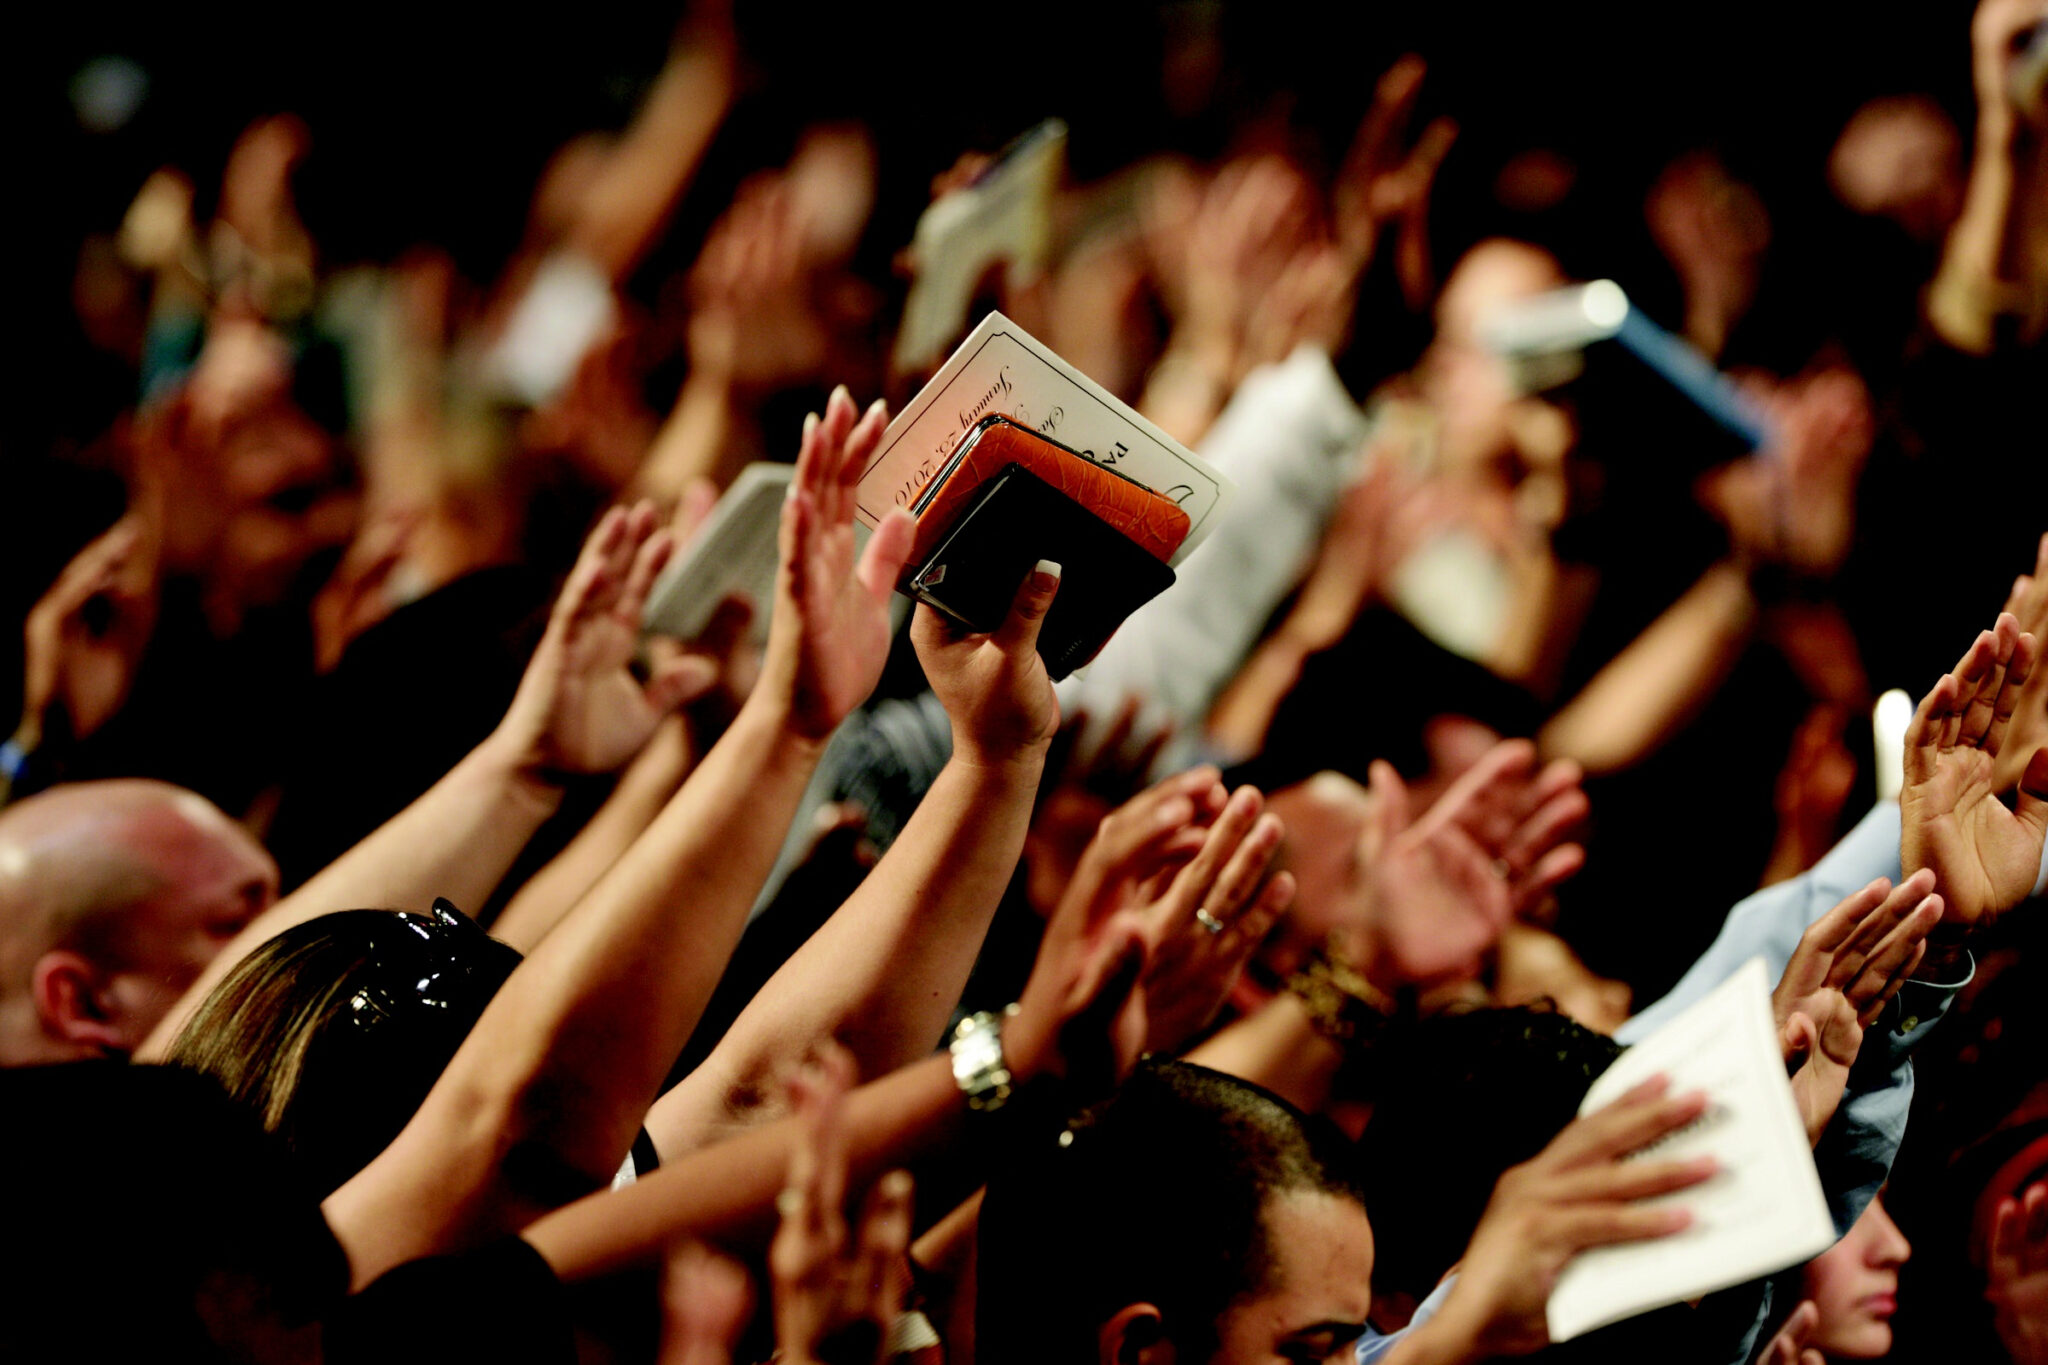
<point x="68" y="990"/>
<point x="1136" y="1335"/>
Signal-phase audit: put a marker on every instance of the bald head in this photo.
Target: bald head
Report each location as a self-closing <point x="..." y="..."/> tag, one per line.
<point x="113" y="897"/>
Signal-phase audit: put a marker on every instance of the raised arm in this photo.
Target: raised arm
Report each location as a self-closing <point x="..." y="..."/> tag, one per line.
<point x="577" y="709"/>
<point x="883" y="973"/>
<point x="547" y="1093"/>
<point x="1989" y="267"/>
<point x="1077" y="1028"/>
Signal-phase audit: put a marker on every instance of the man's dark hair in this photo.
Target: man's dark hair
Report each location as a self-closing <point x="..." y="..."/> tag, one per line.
<point x="1155" y="1196"/>
<point x="1461" y="1098"/>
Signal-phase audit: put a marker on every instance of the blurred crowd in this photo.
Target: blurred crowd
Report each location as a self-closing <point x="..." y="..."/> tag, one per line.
<point x="403" y="955"/>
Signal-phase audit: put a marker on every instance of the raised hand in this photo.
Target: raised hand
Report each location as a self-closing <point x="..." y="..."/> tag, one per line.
<point x="1984" y="856"/>
<point x="1440" y="889"/>
<point x="1576" y="1193"/>
<point x="829" y="635"/>
<point x="1208" y="919"/>
<point x="2016" y="1279"/>
<point x="834" y="1302"/>
<point x="1081" y="1015"/>
<point x="1385" y="180"/>
<point x="1849" y="964"/>
<point x="86" y="635"/>
<point x="994" y="686"/>
<point x="579" y="708"/>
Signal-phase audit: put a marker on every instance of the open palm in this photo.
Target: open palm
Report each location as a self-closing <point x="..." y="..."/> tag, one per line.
<point x="1984" y="856"/>
<point x="830" y="633"/>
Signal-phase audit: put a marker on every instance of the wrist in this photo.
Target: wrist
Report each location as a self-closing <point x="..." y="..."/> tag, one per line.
<point x="1004" y="762"/>
<point x="516" y="767"/>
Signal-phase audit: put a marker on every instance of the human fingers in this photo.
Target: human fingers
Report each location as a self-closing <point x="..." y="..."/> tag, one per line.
<point x="1393" y="100"/>
<point x="1894" y="962"/>
<point x="1543" y="829"/>
<point x="1552" y="869"/>
<point x="1875" y="924"/>
<point x="649" y="559"/>
<point x="94" y="567"/>
<point x="1596" y="1225"/>
<point x="1232" y="895"/>
<point x="1017" y="636"/>
<point x="1785" y="1348"/>
<point x="1193" y="886"/>
<point x="1969" y="674"/>
<point x="1798" y="1038"/>
<point x="1982" y="712"/>
<point x="1828" y="933"/>
<point x="1635" y="1120"/>
<point x="877" y="1280"/>
<point x="839" y="421"/>
<point x="1624" y="1181"/>
<point x="1486" y="800"/>
<point x="2026" y="654"/>
<point x="1924" y="732"/>
<point x="888" y="549"/>
<point x="586" y="585"/>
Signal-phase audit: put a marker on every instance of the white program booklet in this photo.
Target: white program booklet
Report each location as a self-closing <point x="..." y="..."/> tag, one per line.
<point x="734" y="554"/>
<point x="1762" y="1212"/>
<point x="1004" y="216"/>
<point x="1001" y="368"/>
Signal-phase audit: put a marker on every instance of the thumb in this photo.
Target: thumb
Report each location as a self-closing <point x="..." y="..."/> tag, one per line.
<point x="1390" y="800"/>
<point x="881" y="563"/>
<point x="1798" y="1039"/>
<point x="682" y="679"/>
<point x="1019" y="632"/>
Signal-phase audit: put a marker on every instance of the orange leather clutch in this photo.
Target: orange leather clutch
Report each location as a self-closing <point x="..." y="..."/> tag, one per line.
<point x="1155" y="523"/>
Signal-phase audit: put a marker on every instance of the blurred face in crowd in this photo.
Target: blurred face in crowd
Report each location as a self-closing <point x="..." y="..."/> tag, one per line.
<point x="1318" y="1285"/>
<point x="1485" y="422"/>
<point x="277" y="487"/>
<point x="1856" y="1287"/>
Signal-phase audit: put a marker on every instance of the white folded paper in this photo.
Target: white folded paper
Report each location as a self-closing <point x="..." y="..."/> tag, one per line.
<point x="1762" y="1212"/>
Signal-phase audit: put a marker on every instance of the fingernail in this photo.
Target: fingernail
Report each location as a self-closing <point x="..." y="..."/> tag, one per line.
<point x="896" y="1185"/>
<point x="880" y="405"/>
<point x="841" y="394"/>
<point x="1049" y="567"/>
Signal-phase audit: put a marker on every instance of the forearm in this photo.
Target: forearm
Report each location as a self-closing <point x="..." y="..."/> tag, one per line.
<point x="1965" y="296"/>
<point x="562" y="1066"/>
<point x="645" y="176"/>
<point x="705" y="437"/>
<point x="883" y="974"/>
<point x="457" y="840"/>
<point x="726" y="1192"/>
<point x="1652" y="688"/>
<point x="646" y="787"/>
<point x="1278" y="1048"/>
